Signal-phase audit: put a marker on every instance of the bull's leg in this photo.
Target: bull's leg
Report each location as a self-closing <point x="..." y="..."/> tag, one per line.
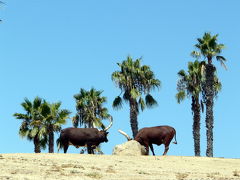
<point x="151" y="147"/>
<point x="166" y="149"/>
<point x="65" y="148"/>
<point x="92" y="150"/>
<point x="89" y="149"/>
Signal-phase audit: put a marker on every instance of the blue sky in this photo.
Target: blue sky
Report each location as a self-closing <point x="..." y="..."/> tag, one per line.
<point x="53" y="48"/>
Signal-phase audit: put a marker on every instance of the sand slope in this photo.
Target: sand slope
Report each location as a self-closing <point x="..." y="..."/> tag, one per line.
<point x="76" y="166"/>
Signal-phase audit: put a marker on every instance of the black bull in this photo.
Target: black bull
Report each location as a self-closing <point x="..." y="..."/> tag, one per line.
<point x="90" y="137"/>
<point x="154" y="135"/>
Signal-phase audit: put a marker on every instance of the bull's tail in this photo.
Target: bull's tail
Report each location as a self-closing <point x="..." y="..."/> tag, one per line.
<point x="175" y="137"/>
<point x="59" y="143"/>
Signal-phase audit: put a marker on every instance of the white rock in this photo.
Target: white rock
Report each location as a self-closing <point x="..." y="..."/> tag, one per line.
<point x="130" y="148"/>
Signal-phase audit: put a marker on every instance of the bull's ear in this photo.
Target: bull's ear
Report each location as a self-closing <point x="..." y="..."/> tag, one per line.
<point x="107" y="133"/>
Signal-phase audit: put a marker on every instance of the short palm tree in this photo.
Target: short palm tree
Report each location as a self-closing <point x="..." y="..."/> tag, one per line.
<point x="90" y="110"/>
<point x="209" y="48"/>
<point x="31" y="123"/>
<point x="190" y="85"/>
<point x="53" y="119"/>
<point x="134" y="80"/>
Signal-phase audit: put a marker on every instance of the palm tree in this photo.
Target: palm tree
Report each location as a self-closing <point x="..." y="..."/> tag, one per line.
<point x="30" y="127"/>
<point x="133" y="81"/>
<point x="210" y="49"/>
<point x="190" y="85"/>
<point x="90" y="110"/>
<point x="1" y="3"/>
<point x="53" y="119"/>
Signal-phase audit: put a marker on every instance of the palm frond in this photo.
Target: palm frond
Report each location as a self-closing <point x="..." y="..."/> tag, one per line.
<point x="27" y="105"/>
<point x="180" y="96"/>
<point x="217" y="85"/>
<point x="182" y="73"/>
<point x="64" y="114"/>
<point x="34" y="131"/>
<point x="190" y="83"/>
<point x="75" y="121"/>
<point x="21" y="116"/>
<point x="150" y="101"/>
<point x="135" y="93"/>
<point x="222" y="60"/>
<point x="37" y="102"/>
<point x="196" y="54"/>
<point x="42" y="132"/>
<point x="141" y="103"/>
<point x="117" y="103"/>
<point x="45" y="109"/>
<point x="23" y="130"/>
<point x="126" y="96"/>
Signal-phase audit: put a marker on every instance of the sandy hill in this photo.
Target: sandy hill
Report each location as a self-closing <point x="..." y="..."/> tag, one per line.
<point x="108" y="167"/>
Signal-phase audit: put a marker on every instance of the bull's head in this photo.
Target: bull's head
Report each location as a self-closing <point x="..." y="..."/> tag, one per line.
<point x="103" y="135"/>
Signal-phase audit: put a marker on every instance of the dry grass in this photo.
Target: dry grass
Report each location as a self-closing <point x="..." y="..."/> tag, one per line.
<point x="236" y="173"/>
<point x="94" y="175"/>
<point x="107" y="167"/>
<point x="181" y="176"/>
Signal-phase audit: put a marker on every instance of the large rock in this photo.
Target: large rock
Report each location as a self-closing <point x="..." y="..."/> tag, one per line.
<point x="130" y="148"/>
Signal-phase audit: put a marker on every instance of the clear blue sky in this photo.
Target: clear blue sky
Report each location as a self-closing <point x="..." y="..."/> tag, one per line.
<point x="53" y="48"/>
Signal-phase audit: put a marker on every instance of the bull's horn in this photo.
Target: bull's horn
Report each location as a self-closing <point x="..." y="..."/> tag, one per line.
<point x="125" y="134"/>
<point x="111" y="122"/>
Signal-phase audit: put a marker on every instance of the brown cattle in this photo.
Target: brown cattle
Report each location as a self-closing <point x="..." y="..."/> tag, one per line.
<point x="154" y="135"/>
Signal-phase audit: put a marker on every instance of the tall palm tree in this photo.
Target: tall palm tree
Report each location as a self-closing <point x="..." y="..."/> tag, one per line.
<point x="53" y="119"/>
<point x="190" y="85"/>
<point x="90" y="110"/>
<point x="134" y="80"/>
<point x="31" y="123"/>
<point x="209" y="48"/>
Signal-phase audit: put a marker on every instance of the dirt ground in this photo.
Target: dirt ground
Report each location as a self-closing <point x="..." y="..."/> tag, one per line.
<point x="110" y="167"/>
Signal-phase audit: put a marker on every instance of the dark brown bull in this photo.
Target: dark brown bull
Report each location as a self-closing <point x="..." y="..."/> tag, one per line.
<point x="90" y="137"/>
<point x="154" y="135"/>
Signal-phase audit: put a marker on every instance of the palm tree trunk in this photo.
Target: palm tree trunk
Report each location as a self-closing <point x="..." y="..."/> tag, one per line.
<point x="133" y="116"/>
<point x="89" y="148"/>
<point x="51" y="140"/>
<point x="210" y="69"/>
<point x="37" y="144"/>
<point x="196" y="126"/>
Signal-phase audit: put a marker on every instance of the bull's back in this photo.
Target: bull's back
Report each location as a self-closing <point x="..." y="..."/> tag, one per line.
<point x="78" y="136"/>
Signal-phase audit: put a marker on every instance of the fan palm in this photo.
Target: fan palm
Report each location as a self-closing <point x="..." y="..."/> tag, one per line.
<point x="53" y="119"/>
<point x="134" y="80"/>
<point x="190" y="85"/>
<point x="209" y="48"/>
<point x="31" y="122"/>
<point x="90" y="110"/>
